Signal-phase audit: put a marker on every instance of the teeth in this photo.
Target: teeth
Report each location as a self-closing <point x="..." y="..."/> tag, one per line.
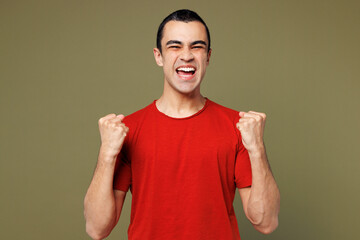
<point x="186" y="69"/>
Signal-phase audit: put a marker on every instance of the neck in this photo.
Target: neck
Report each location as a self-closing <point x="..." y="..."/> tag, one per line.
<point x="179" y="105"/>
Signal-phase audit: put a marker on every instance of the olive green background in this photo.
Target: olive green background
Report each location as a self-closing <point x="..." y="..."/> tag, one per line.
<point x="65" y="64"/>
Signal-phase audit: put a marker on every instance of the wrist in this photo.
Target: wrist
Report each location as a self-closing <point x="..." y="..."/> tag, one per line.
<point x="107" y="155"/>
<point x="257" y="151"/>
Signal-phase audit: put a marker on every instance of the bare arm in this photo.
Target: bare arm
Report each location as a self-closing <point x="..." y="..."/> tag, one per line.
<point x="102" y="205"/>
<point x="261" y="201"/>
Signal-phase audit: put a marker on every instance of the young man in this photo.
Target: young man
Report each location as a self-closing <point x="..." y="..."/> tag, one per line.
<point x="183" y="156"/>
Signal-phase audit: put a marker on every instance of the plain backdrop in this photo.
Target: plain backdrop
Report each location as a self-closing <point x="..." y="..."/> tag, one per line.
<point x="65" y="64"/>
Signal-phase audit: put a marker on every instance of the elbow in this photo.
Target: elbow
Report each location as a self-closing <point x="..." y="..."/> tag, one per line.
<point x="264" y="223"/>
<point x="268" y="228"/>
<point x="98" y="227"/>
<point x="94" y="233"/>
<point x="94" y="230"/>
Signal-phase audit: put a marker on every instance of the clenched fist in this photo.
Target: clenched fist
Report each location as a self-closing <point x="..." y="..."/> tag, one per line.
<point x="113" y="132"/>
<point x="251" y="126"/>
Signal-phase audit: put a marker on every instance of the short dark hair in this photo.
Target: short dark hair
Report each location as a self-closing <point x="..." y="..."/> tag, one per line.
<point x="183" y="15"/>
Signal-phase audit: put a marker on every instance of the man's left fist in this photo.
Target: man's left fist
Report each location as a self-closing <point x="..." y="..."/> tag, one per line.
<point x="251" y="125"/>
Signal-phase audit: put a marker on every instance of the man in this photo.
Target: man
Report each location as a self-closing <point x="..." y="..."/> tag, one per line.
<point x="183" y="156"/>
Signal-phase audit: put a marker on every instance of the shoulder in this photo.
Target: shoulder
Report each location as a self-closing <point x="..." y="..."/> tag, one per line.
<point x="227" y="118"/>
<point x="134" y="121"/>
<point x="223" y="111"/>
<point x="138" y="116"/>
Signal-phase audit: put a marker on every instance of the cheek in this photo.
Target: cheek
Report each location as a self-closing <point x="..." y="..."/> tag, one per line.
<point x="203" y="57"/>
<point x="204" y="64"/>
<point x="169" y="61"/>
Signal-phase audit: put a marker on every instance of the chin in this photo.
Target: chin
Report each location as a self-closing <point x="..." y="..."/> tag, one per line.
<point x="188" y="91"/>
<point x="184" y="87"/>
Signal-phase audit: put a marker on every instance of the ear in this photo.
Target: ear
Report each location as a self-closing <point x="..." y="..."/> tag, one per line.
<point x="208" y="56"/>
<point x="158" y="57"/>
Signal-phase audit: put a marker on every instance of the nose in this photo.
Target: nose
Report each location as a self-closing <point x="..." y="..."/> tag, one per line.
<point x="186" y="55"/>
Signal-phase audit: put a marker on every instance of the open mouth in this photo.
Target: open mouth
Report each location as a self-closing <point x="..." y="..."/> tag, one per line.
<point x="186" y="71"/>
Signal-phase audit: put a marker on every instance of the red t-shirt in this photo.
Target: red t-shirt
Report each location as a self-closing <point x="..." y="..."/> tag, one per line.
<point x="183" y="173"/>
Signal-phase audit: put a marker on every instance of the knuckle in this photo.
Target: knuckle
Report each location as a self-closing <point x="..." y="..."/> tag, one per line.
<point x="102" y="121"/>
<point x="111" y="116"/>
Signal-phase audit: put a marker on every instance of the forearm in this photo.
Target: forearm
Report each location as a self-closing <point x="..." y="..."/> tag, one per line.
<point x="99" y="202"/>
<point x="264" y="199"/>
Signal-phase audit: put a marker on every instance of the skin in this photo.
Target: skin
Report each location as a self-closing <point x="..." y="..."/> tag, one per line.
<point x="261" y="202"/>
<point x="103" y="204"/>
<point x="183" y="44"/>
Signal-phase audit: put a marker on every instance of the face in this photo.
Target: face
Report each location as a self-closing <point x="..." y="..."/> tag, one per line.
<point x="184" y="56"/>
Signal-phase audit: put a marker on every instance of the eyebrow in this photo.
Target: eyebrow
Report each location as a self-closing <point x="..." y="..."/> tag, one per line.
<point x="191" y="44"/>
<point x="198" y="42"/>
<point x="173" y="42"/>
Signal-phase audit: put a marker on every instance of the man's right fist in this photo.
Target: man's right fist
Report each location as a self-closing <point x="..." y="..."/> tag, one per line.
<point x="113" y="133"/>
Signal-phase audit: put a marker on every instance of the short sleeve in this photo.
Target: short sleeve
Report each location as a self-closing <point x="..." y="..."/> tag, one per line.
<point x="243" y="175"/>
<point x="122" y="174"/>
